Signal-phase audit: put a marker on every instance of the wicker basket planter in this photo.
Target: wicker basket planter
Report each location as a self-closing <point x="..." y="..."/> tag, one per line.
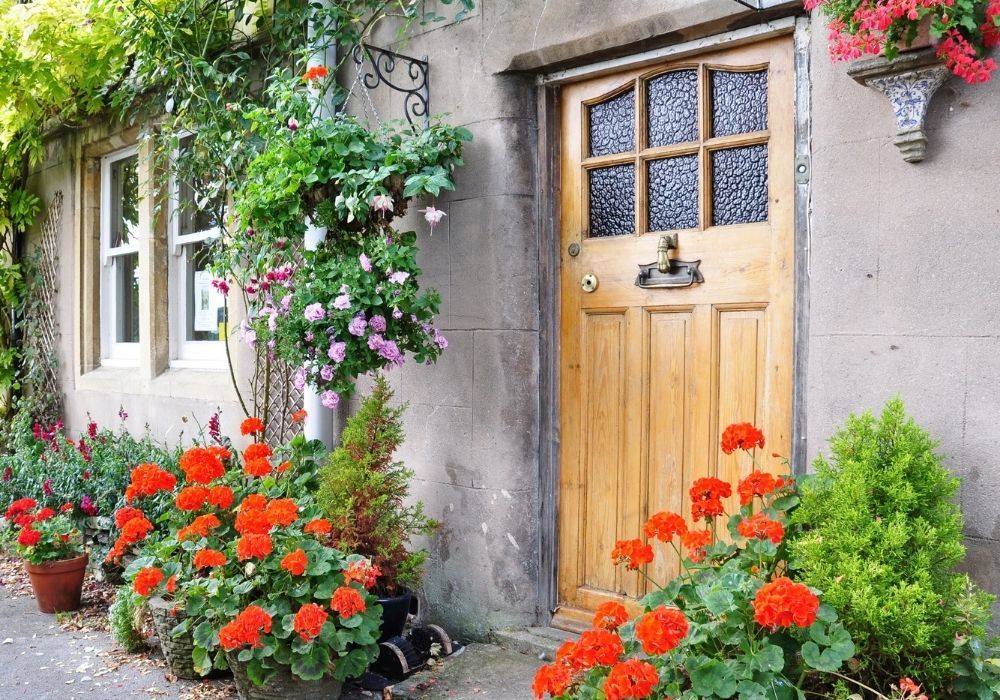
<point x="282" y="685"/>
<point x="177" y="650"/>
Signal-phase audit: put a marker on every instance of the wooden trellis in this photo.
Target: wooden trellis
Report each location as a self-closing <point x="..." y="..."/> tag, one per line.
<point x="282" y="399"/>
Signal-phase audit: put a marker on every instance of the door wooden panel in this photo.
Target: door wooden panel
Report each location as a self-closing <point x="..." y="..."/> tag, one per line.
<point x="649" y="377"/>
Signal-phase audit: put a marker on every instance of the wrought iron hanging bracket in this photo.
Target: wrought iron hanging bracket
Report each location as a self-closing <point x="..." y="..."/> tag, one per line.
<point x="383" y="62"/>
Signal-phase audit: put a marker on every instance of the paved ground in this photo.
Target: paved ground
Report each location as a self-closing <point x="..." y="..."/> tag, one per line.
<point x="39" y="660"/>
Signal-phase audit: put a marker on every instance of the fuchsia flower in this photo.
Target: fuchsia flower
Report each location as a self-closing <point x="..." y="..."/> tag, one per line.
<point x="433" y="216"/>
<point x="8" y="474"/>
<point x="88" y="506"/>
<point x="47" y="487"/>
<point x="221" y="286"/>
<point x="397" y="314"/>
<point x="382" y="203"/>
<point x="293" y="123"/>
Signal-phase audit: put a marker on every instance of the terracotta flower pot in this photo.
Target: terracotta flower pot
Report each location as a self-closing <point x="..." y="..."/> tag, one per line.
<point x="282" y="684"/>
<point x="58" y="584"/>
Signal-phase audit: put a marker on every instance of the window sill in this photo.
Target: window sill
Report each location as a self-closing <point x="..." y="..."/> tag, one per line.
<point x="182" y="383"/>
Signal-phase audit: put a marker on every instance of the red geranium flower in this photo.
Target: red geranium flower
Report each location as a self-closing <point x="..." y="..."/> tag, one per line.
<point x="316" y="73"/>
<point x="146" y="580"/>
<point x="757" y="483"/>
<point x="19" y="506"/>
<point x="783" y="603"/>
<point x="347" y="602"/>
<point x="29" y="537"/>
<point x="253" y="546"/>
<point x="44" y="514"/>
<point x="192" y="498"/>
<point x="202" y="465"/>
<point x="251" y="426"/>
<point x="221" y="497"/>
<point x="661" y="630"/>
<point x="630" y="679"/>
<point x="245" y="629"/>
<point x="319" y="526"/>
<point x="610" y="615"/>
<point x="208" y="558"/>
<point x="309" y="621"/>
<point x="761" y="527"/>
<point x="299" y="416"/>
<point x="295" y="562"/>
<point x="741" y="436"/>
<point x="663" y="526"/>
<point x="695" y="542"/>
<point x="632" y="551"/>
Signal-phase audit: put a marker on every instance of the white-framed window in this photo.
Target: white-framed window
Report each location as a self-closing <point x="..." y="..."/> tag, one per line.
<point x="197" y="317"/>
<point x="120" y="258"/>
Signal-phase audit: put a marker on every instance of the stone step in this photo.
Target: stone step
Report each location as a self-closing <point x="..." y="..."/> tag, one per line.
<point x="540" y="642"/>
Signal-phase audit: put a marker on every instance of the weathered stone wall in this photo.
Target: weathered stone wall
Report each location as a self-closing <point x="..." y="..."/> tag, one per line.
<point x="903" y="293"/>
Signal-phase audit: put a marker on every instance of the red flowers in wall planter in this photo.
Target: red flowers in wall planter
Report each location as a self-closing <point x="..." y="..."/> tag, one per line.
<point x="53" y="554"/>
<point x="964" y="31"/>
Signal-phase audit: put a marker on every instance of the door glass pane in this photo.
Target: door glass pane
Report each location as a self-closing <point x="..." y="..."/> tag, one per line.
<point x="612" y="201"/>
<point x="673" y="193"/>
<point x="205" y="305"/>
<point x="126" y="281"/>
<point x="739" y="185"/>
<point x="672" y="103"/>
<point x="612" y="125"/>
<point x="124" y="200"/>
<point x="739" y="102"/>
<point x="196" y="212"/>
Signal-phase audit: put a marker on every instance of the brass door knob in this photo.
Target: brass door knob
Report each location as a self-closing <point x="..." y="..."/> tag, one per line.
<point x="589" y="283"/>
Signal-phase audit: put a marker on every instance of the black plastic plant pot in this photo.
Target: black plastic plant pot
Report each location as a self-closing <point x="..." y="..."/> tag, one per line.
<point x="394" y="612"/>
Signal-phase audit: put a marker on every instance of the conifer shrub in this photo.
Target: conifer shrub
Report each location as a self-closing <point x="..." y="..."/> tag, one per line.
<point x="125" y="620"/>
<point x="879" y="533"/>
<point x="363" y="492"/>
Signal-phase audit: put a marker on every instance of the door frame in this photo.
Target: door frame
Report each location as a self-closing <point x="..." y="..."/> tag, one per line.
<point x="548" y="227"/>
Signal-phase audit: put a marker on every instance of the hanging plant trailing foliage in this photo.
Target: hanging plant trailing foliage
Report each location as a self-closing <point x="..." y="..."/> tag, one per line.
<point x="353" y="305"/>
<point x="966" y="30"/>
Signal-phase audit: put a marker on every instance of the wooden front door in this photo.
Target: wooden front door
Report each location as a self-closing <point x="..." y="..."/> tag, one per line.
<point x="650" y="376"/>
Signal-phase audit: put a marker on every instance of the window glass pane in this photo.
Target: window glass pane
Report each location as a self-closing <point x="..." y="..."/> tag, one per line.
<point x="196" y="212"/>
<point x="124" y="201"/>
<point x="739" y="185"/>
<point x="612" y="125"/>
<point x="612" y="201"/>
<point x="672" y="100"/>
<point x="205" y="305"/>
<point x="739" y="102"/>
<point x="126" y="281"/>
<point x="673" y="193"/>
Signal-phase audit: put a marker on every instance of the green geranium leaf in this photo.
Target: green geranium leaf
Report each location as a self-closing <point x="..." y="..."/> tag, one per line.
<point x="351" y="665"/>
<point x="205" y="635"/>
<point x="769" y="658"/>
<point x="716" y="598"/>
<point x="311" y="666"/>
<point x="712" y="678"/>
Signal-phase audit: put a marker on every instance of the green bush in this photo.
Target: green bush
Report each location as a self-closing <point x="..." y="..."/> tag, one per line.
<point x="879" y="534"/>
<point x="363" y="493"/>
<point x="124" y="618"/>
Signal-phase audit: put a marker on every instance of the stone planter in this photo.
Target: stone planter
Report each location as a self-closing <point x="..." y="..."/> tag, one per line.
<point x="98" y="534"/>
<point x="282" y="685"/>
<point x="177" y="650"/>
<point x="58" y="584"/>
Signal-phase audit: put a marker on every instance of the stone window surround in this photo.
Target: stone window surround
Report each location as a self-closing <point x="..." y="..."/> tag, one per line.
<point x="152" y="375"/>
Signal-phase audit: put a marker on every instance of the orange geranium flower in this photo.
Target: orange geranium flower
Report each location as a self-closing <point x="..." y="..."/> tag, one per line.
<point x="252" y="522"/>
<point x="148" y="479"/>
<point x="757" y="483"/>
<point x="246" y="629"/>
<point x="551" y="679"/>
<point x="284" y="467"/>
<point x="221" y="452"/>
<point x="221" y="497"/>
<point x="199" y="527"/>
<point x="123" y="515"/>
<point x="257" y="450"/>
<point x="256" y="467"/>
<point x="295" y="562"/>
<point x="630" y="679"/>
<point x="661" y="630"/>
<point x="192" y="498"/>
<point x="347" y="602"/>
<point x="741" y="436"/>
<point x="202" y="465"/>
<point x="253" y="546"/>
<point x="319" y="526"/>
<point x="783" y="603"/>
<point x="255" y="501"/>
<point x="136" y="529"/>
<point x="363" y="572"/>
<point x="299" y="415"/>
<point x="706" y="497"/>
<point x="208" y="558"/>
<point x="663" y="526"/>
<point x="172" y="584"/>
<point x="146" y="580"/>
<point x="632" y="551"/>
<point x="316" y="73"/>
<point x="596" y="647"/>
<point x="309" y="621"/>
<point x="610" y="615"/>
<point x="695" y="541"/>
<point x="282" y="512"/>
<point x="251" y="426"/>
<point x="761" y="527"/>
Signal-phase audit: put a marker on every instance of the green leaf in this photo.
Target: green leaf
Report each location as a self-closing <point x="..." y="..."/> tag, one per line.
<point x="258" y="673"/>
<point x="311" y="666"/>
<point x="202" y="663"/>
<point x="712" y="677"/>
<point x="769" y="658"/>
<point x="826" y="661"/>
<point x="205" y="635"/>
<point x="716" y="598"/>
<point x="352" y="665"/>
<point x="785" y="502"/>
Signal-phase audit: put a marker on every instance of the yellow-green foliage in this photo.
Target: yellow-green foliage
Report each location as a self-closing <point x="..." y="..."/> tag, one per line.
<point x="880" y="536"/>
<point x="124" y="618"/>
